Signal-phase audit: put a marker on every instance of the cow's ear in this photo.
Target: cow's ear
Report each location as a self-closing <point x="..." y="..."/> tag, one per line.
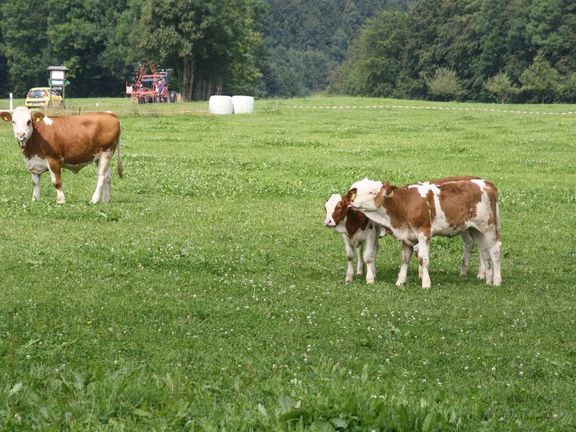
<point x="351" y="195"/>
<point x="37" y="116"/>
<point x="6" y="116"/>
<point x="388" y="190"/>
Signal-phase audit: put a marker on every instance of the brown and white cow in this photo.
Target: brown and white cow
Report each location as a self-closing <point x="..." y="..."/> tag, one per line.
<point x="359" y="233"/>
<point x="416" y="212"/>
<point x="53" y="143"/>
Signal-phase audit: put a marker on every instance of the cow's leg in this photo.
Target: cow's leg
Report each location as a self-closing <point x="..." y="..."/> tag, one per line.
<point x="495" y="257"/>
<point x="493" y="245"/>
<point x="107" y="182"/>
<point x="407" y="251"/>
<point x="484" y="245"/>
<point x="481" y="269"/>
<point x="360" y="263"/>
<point x="349" y="247"/>
<point x="424" y="258"/>
<point x="468" y="245"/>
<point x="55" y="168"/>
<point x="415" y="249"/>
<point x="36" y="183"/>
<point x="103" y="167"/>
<point x="370" y="253"/>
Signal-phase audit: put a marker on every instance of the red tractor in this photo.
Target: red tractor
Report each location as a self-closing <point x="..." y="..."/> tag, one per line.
<point x="149" y="87"/>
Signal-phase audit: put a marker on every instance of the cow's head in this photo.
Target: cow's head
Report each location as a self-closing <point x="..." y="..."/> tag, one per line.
<point x="331" y="206"/>
<point x="363" y="194"/>
<point x="22" y="122"/>
<point x="337" y="209"/>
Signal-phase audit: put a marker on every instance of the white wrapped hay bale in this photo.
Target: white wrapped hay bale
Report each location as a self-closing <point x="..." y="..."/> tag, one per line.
<point x="243" y="104"/>
<point x="220" y="105"/>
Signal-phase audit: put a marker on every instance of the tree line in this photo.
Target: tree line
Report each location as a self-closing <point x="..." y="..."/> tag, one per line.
<point x="507" y="50"/>
<point x="520" y="50"/>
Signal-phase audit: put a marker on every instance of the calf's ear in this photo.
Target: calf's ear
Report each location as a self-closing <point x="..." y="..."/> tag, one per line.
<point x="6" y="116"/>
<point x="386" y="191"/>
<point x="37" y="116"/>
<point x="351" y="195"/>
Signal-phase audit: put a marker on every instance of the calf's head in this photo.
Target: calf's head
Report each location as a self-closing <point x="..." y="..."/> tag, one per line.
<point x="22" y="122"/>
<point x="368" y="195"/>
<point x="331" y="206"/>
<point x="363" y="194"/>
<point x="337" y="209"/>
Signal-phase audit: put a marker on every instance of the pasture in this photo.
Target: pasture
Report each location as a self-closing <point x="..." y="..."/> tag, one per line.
<point x="208" y="295"/>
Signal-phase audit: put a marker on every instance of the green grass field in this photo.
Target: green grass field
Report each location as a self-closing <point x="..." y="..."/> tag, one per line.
<point x="209" y="296"/>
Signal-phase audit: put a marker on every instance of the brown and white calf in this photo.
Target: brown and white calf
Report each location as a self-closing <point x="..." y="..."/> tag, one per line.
<point x="359" y="233"/>
<point x="446" y="207"/>
<point x="53" y="143"/>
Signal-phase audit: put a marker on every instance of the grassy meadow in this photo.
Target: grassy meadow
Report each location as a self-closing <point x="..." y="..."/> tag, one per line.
<point x="208" y="295"/>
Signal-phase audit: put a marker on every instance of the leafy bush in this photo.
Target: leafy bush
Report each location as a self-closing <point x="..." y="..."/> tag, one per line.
<point x="502" y="87"/>
<point x="444" y="84"/>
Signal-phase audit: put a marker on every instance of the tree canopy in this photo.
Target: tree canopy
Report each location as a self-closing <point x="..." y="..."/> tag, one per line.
<point x="532" y="42"/>
<point x="505" y="50"/>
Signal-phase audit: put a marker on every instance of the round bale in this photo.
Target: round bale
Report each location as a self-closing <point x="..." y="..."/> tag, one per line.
<point x="220" y="105"/>
<point x="243" y="104"/>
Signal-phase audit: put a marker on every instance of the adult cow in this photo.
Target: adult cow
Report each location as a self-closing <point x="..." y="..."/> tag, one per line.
<point x="416" y="212"/>
<point x="53" y="143"/>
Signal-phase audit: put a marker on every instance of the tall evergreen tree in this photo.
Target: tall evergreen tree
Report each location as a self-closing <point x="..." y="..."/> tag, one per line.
<point x="541" y="80"/>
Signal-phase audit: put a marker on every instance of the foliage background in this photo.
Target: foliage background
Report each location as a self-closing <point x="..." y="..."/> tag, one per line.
<point x="296" y="47"/>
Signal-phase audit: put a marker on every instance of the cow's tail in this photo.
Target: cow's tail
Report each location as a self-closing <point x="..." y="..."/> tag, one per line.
<point x="496" y="210"/>
<point x="498" y="219"/>
<point x="119" y="165"/>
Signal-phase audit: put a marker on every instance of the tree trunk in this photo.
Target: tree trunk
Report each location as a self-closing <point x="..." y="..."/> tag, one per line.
<point x="188" y="77"/>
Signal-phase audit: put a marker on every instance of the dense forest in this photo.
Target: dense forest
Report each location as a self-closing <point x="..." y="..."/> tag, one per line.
<point x="307" y="40"/>
<point x="505" y="50"/>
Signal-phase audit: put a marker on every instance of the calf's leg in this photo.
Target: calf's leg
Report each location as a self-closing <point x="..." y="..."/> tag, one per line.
<point x="495" y="257"/>
<point x="484" y="248"/>
<point x="481" y="270"/>
<point x="468" y="245"/>
<point x="493" y="246"/>
<point x="370" y="253"/>
<point x="424" y="258"/>
<point x="349" y="247"/>
<point x="407" y="251"/>
<point x="360" y="263"/>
